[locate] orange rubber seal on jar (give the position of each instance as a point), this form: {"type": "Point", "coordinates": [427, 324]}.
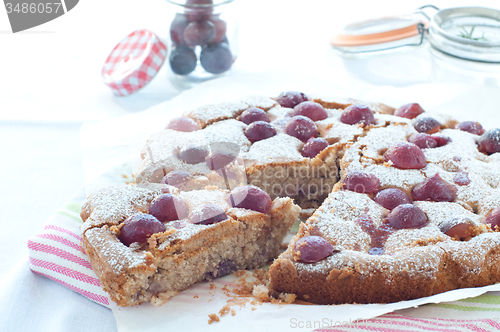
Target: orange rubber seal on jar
{"type": "Point", "coordinates": [377, 38]}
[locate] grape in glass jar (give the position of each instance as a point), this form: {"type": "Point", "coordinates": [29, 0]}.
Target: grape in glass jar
{"type": "Point", "coordinates": [216, 58]}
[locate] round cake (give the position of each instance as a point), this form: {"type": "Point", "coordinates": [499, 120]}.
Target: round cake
{"type": "Point", "coordinates": [400, 203]}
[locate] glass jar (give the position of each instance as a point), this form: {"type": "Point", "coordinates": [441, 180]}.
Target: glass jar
{"type": "Point", "coordinates": [203, 41]}
{"type": "Point", "coordinates": [463, 42]}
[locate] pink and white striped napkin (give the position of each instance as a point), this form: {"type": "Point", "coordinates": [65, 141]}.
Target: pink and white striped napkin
{"type": "Point", "coordinates": [57, 254]}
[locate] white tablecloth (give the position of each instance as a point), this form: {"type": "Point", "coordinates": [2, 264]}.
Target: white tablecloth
{"type": "Point", "coordinates": [50, 85]}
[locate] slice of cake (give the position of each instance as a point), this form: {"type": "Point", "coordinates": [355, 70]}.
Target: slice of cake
{"type": "Point", "coordinates": [148, 243]}
{"type": "Point", "coordinates": [416, 213]}
{"type": "Point", "coordinates": [353, 250]}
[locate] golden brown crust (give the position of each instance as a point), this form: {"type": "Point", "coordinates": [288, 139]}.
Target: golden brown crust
{"type": "Point", "coordinates": [429, 270]}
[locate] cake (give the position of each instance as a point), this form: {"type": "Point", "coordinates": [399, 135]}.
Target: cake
{"type": "Point", "coordinates": [404, 203]}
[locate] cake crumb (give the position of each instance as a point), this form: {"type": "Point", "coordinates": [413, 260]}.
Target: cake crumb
{"type": "Point", "coordinates": [212, 286]}
{"type": "Point", "coordinates": [213, 318]}
{"type": "Point", "coordinates": [225, 310]}
{"type": "Point", "coordinates": [195, 297]}
{"type": "Point", "coordinates": [261, 292]}
{"type": "Point", "coordinates": [287, 298]}
{"type": "Point", "coordinates": [115, 229]}
{"type": "Point", "coordinates": [253, 291]}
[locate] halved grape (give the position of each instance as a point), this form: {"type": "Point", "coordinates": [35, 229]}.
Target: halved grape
{"type": "Point", "coordinates": [407, 216]}
{"type": "Point", "coordinates": [441, 140]}
{"type": "Point", "coordinates": [199, 3]}
{"type": "Point", "coordinates": [176, 178]}
{"type": "Point", "coordinates": [423, 141]}
{"type": "Point", "coordinates": [489, 142]}
{"type": "Point", "coordinates": [198, 14]}
{"type": "Point", "coordinates": [462, 178]}
{"type": "Point", "coordinates": [409, 111]}
{"type": "Point", "coordinates": [168, 207]}
{"type": "Point", "coordinates": [139, 227]}
{"type": "Point", "coordinates": [314, 146]}
{"type": "Point", "coordinates": [220, 29]}
{"type": "Point", "coordinates": [179, 23]}
{"type": "Point", "coordinates": [392, 197]}
{"type": "Point", "coordinates": [427, 125]}
{"type": "Point", "coordinates": [301, 127]}
{"type": "Point", "coordinates": [250, 197]}
{"type": "Point", "coordinates": [312, 249]}
{"type": "Point", "coordinates": [493, 219]}
{"type": "Point", "coordinates": [459, 228]}
{"type": "Point", "coordinates": [434, 189]}
{"type": "Point", "coordinates": [357, 114]}
{"type": "Point", "coordinates": [361, 182]}
{"type": "Point", "coordinates": [311, 109]}
{"type": "Point", "coordinates": [216, 58]}
{"type": "Point", "coordinates": [207, 214]}
{"type": "Point", "coordinates": [199, 33]}
{"type": "Point", "coordinates": [218, 159]}
{"type": "Point", "coordinates": [182, 60]}
{"type": "Point", "coordinates": [198, 10]}
{"type": "Point", "coordinates": [406, 156]}
{"type": "Point", "coordinates": [183, 123]}
{"type": "Point", "coordinates": [192, 154]}
{"type": "Point", "coordinates": [253, 114]}
{"type": "Point", "coordinates": [259, 130]}
{"type": "Point", "coordinates": [290, 99]}
{"type": "Point", "coordinates": [471, 127]}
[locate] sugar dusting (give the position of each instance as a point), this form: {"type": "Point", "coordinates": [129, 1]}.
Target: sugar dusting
{"type": "Point", "coordinates": [335, 218]}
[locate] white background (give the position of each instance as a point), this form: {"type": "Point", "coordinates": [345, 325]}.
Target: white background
{"type": "Point", "coordinates": [50, 85]}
